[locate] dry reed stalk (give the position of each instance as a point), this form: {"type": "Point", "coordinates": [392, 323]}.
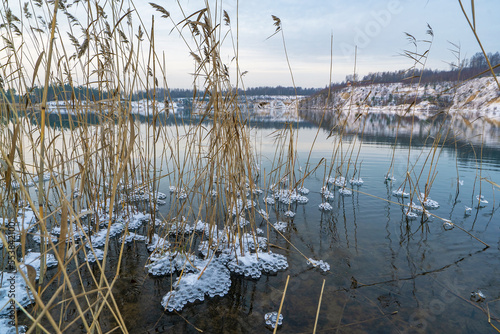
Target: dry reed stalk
{"type": "Point", "coordinates": [319, 306]}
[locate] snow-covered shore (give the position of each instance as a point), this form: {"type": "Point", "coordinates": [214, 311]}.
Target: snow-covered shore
{"type": "Point", "coordinates": [476, 98]}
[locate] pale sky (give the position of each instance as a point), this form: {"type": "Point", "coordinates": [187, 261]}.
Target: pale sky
{"type": "Point", "coordinates": [376, 27]}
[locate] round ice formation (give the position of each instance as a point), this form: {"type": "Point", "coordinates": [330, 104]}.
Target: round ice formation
{"type": "Point", "coordinates": [320, 264]}
{"type": "Point", "coordinates": [136, 220]}
{"type": "Point", "coordinates": [181, 195]}
{"type": "Point", "coordinates": [269, 200]}
{"type": "Point", "coordinates": [286, 196]}
{"type": "Point", "coordinates": [271, 318]}
{"type": "Point", "coordinates": [215, 281]}
{"type": "Point", "coordinates": [325, 207]}
{"type": "Point", "coordinates": [303, 190]}
{"type": "Point", "coordinates": [99, 239]}
{"type": "Point", "coordinates": [448, 225]}
{"type": "Point", "coordinates": [327, 194]}
{"type": "Point", "coordinates": [413, 206]}
{"type": "Point", "coordinates": [252, 265]}
{"type": "Point", "coordinates": [400, 193]}
{"type": "Point", "coordinates": [289, 214]}
{"type": "Point", "coordinates": [249, 242]}
{"type": "Point", "coordinates": [170, 262]}
{"type": "Point", "coordinates": [99, 255]}
{"type": "Point", "coordinates": [302, 199]}
{"type": "Point", "coordinates": [345, 192]}
{"type": "Point", "coordinates": [410, 214]}
{"type": "Point", "coordinates": [280, 226]}
{"type": "Point", "coordinates": [356, 182]}
{"type": "Point", "coordinates": [338, 181]}
{"type": "Point", "coordinates": [428, 203]}
{"type": "Point", "coordinates": [161, 195]}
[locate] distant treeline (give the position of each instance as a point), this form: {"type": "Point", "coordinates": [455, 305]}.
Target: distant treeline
{"type": "Point", "coordinates": [81, 93]}
{"type": "Point", "coordinates": [175, 93]}
{"type": "Point", "coordinates": [468, 68]}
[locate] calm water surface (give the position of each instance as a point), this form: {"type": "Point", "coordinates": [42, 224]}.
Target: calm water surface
{"type": "Point", "coordinates": [388, 274]}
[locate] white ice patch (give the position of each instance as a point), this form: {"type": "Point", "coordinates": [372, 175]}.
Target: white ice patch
{"type": "Point", "coordinates": [38, 239]}
{"type": "Point", "coordinates": [253, 265]}
{"type": "Point", "coordinates": [411, 215]}
{"type": "Point", "coordinates": [468, 211]}
{"type": "Point", "coordinates": [327, 194]}
{"type": "Point", "coordinates": [389, 178]}
{"type": "Point", "coordinates": [302, 199]}
{"type": "Point", "coordinates": [7, 328]}
{"type": "Point", "coordinates": [356, 182]}
{"type": "Point", "coordinates": [99, 239]}
{"type": "Point", "coordinates": [215, 281]}
{"type": "Point", "coordinates": [400, 193]}
{"type": "Point", "coordinates": [428, 203]}
{"type": "Point", "coordinates": [33, 259]}
{"type": "Point", "coordinates": [477, 296]}
{"type": "Point", "coordinates": [269, 200]}
{"type": "Point", "coordinates": [12, 283]}
{"type": "Point", "coordinates": [303, 191]}
{"type": "Point", "coordinates": [320, 264]}
{"type": "Point", "coordinates": [170, 262]}
{"type": "Point", "coordinates": [182, 195]}
{"type": "Point", "coordinates": [158, 244]}
{"type": "Point", "coordinates": [325, 206]}
{"type": "Point", "coordinates": [99, 255]}
{"type": "Point", "coordinates": [345, 192]}
{"type": "Point", "coordinates": [131, 237]}
{"type": "Point", "coordinates": [271, 319]}
{"type": "Point", "coordinates": [448, 225]}
{"type": "Point", "coordinates": [285, 196]}
{"type": "Point", "coordinates": [338, 181]}
{"type": "Point", "coordinates": [74, 234]}
{"type": "Point", "coordinates": [136, 219]}
{"type": "Point", "coordinates": [416, 207]}
{"type": "Point", "coordinates": [280, 226]}
{"type": "Point", "coordinates": [289, 214]}
{"type": "Point", "coordinates": [481, 202]}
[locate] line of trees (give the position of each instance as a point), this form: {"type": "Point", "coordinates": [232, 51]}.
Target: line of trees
{"type": "Point", "coordinates": [468, 68]}
{"type": "Point", "coordinates": [68, 93]}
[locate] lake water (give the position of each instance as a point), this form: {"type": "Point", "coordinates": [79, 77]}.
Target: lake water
{"type": "Point", "coordinates": [388, 274]}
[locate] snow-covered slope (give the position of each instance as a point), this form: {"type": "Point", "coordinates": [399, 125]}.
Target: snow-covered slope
{"type": "Point", "coordinates": [472, 99]}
